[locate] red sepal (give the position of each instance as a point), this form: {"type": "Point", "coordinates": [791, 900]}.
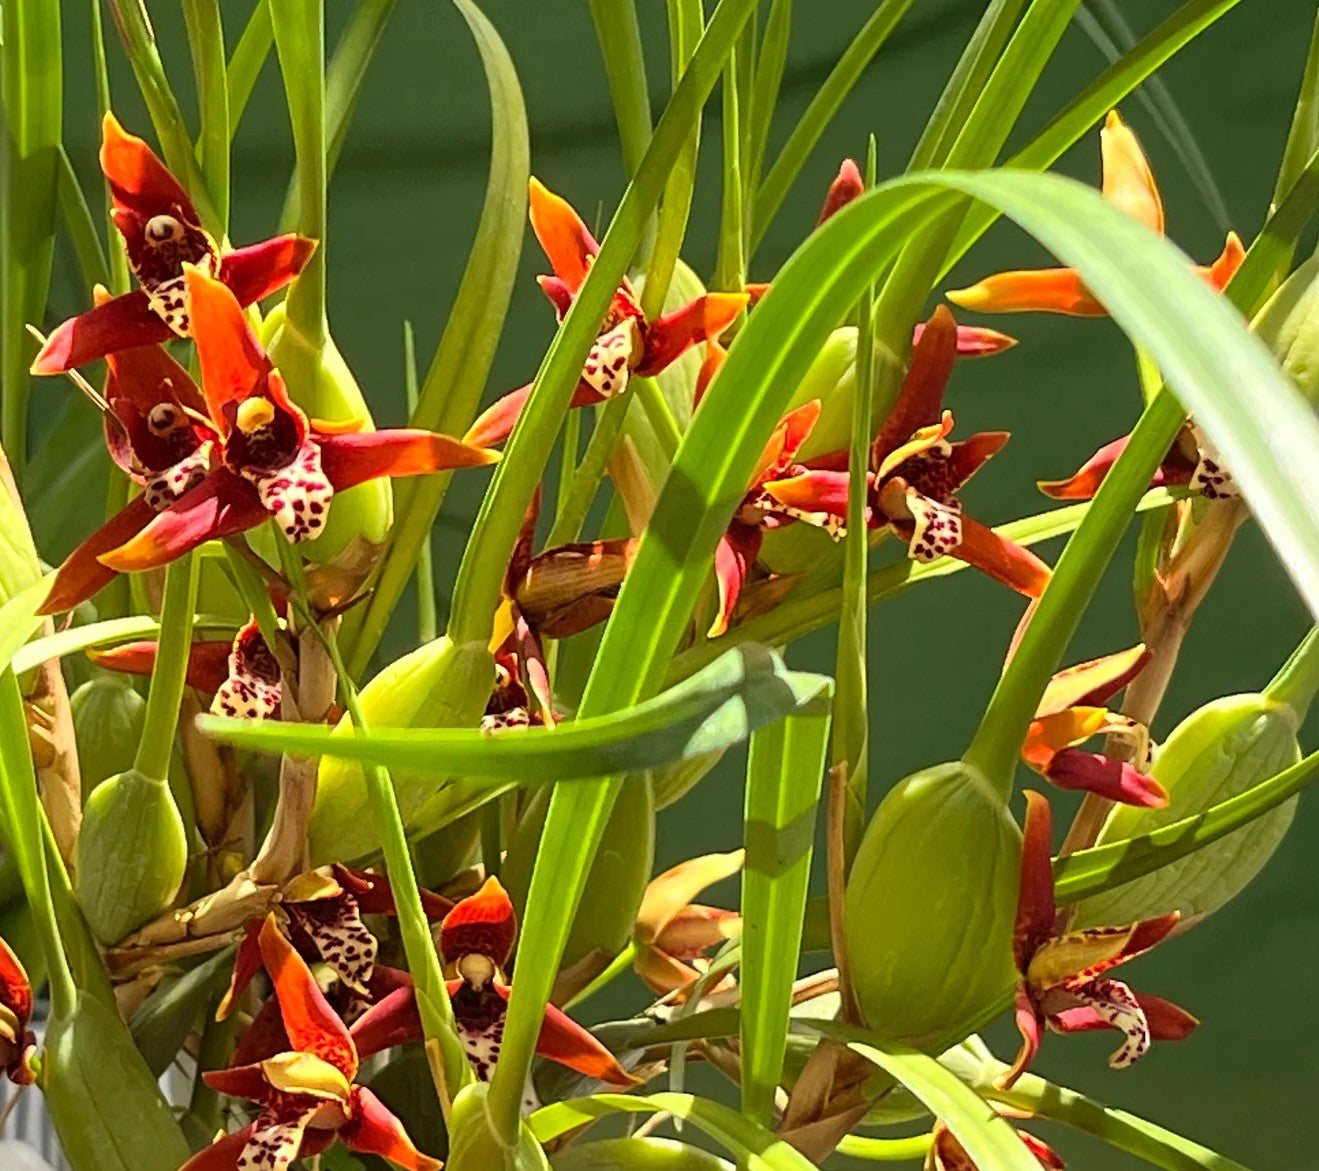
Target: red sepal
{"type": "Point", "coordinates": [481, 924]}
{"type": "Point", "coordinates": [121, 323]}
{"type": "Point", "coordinates": [354, 458]}
{"type": "Point", "coordinates": [374, 1130]}
{"type": "Point", "coordinates": [83, 573]}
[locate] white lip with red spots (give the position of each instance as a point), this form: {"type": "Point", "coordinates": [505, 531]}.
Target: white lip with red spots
{"type": "Point", "coordinates": [161, 491]}
{"type": "Point", "coordinates": [297, 495]}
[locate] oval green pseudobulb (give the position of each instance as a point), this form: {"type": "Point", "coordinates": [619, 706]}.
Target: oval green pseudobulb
{"type": "Point", "coordinates": [108, 717]}
{"type": "Point", "coordinates": [132, 854]}
{"type": "Point", "coordinates": [931, 902]}
{"type": "Point", "coordinates": [102, 1098]}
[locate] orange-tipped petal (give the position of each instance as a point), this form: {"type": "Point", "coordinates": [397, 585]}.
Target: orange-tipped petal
{"type": "Point", "coordinates": [138, 180]}
{"type": "Point", "coordinates": [818, 496]}
{"type": "Point", "coordinates": [1128, 181]}
{"type": "Point", "coordinates": [374, 1130]}
{"type": "Point", "coordinates": [83, 573]}
{"type": "Point", "coordinates": [1002, 559]}
{"type": "Point", "coordinates": [392, 1020]}
{"type": "Point", "coordinates": [1094, 682]}
{"type": "Point", "coordinates": [257, 270]}
{"type": "Point", "coordinates": [233, 363]}
{"type": "Point", "coordinates": [921, 398]}
{"type": "Point", "coordinates": [482, 924]}
{"type": "Point", "coordinates": [1225, 267]}
{"type": "Point", "coordinates": [120, 323]}
{"type": "Point", "coordinates": [715, 357]}
{"type": "Point", "coordinates": [733, 558]}
{"type": "Point", "coordinates": [847, 186]}
{"type": "Point", "coordinates": [247, 963]}
{"type": "Point", "coordinates": [221, 505]}
{"type": "Point", "coordinates": [1037, 909]}
{"type": "Point", "coordinates": [673, 890]}
{"type": "Point", "coordinates": [495, 423]}
{"type": "Point", "coordinates": [1039, 290]}
{"type": "Point", "coordinates": [1049, 734]}
{"type": "Point", "coordinates": [208, 661]}
{"type": "Point", "coordinates": [563, 1040]}
{"type": "Point", "coordinates": [567, 241]}
{"type": "Point", "coordinates": [15, 989]}
{"type": "Point", "coordinates": [669, 337]}
{"type": "Point", "coordinates": [312, 1025]}
{"type": "Point", "coordinates": [1047, 1156]}
{"type": "Point", "coordinates": [973, 341]}
{"type": "Point", "coordinates": [354, 458]}
{"type": "Point", "coordinates": [1176, 469]}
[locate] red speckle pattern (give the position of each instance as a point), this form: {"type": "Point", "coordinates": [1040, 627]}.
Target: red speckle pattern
{"type": "Point", "coordinates": [335, 927]}
{"type": "Point", "coordinates": [274, 1147]}
{"type": "Point", "coordinates": [297, 495]}
{"type": "Point", "coordinates": [161, 491]}
{"type": "Point", "coordinates": [938, 526]}
{"type": "Point", "coordinates": [608, 364]}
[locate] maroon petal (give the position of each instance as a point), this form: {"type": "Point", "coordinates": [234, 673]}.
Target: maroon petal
{"type": "Point", "coordinates": [355, 457]}
{"type": "Point", "coordinates": [258, 270]}
{"type": "Point", "coordinates": [918, 405]}
{"type": "Point", "coordinates": [83, 573]}
{"type": "Point", "coordinates": [389, 1022]}
{"type": "Point", "coordinates": [1117, 780]}
{"type": "Point", "coordinates": [374, 1130]}
{"type": "Point", "coordinates": [733, 558]}
{"type": "Point", "coordinates": [121, 323]}
{"type": "Point", "coordinates": [847, 186]}
{"type": "Point", "coordinates": [671, 336]}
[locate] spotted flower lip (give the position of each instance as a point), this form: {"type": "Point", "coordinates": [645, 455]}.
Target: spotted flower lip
{"type": "Point", "coordinates": [272, 461]}
{"type": "Point", "coordinates": [1063, 983]}
{"type": "Point", "coordinates": [628, 343]}
{"type": "Point", "coordinates": [308, 1094]}
{"type": "Point", "coordinates": [1072, 711]}
{"type": "Point", "coordinates": [915, 473]}
{"type": "Point", "coordinates": [18, 1043]}
{"type": "Point", "coordinates": [162, 231]}
{"type": "Point", "coordinates": [1128, 184]}
{"type": "Point", "coordinates": [1192, 462]}
{"type": "Point", "coordinates": [157, 431]}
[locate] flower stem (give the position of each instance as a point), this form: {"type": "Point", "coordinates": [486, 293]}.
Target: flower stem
{"type": "Point", "coordinates": [999, 737]}
{"type": "Point", "coordinates": [1297, 679]}
{"type": "Point", "coordinates": [162, 714]}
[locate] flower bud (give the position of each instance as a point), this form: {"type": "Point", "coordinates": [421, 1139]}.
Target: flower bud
{"type": "Point", "coordinates": [1289, 325]}
{"type": "Point", "coordinates": [672, 782]}
{"type": "Point", "coordinates": [439, 685]}
{"type": "Point", "coordinates": [102, 1098]}
{"type": "Point", "coordinates": [108, 717]}
{"type": "Point", "coordinates": [1222, 749]}
{"type": "Point", "coordinates": [132, 854]}
{"type": "Point", "coordinates": [931, 902]}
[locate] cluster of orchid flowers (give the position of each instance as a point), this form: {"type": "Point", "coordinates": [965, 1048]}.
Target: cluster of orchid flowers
{"type": "Point", "coordinates": [218, 459]}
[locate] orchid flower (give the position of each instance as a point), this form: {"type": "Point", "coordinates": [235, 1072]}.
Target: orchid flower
{"type": "Point", "coordinates": [947, 1154]}
{"type": "Point", "coordinates": [476, 941]}
{"type": "Point", "coordinates": [915, 475]}
{"type": "Point", "coordinates": [308, 1094]}
{"type": "Point", "coordinates": [156, 430]}
{"type": "Point", "coordinates": [1071, 711]}
{"type": "Point", "coordinates": [1063, 984]}
{"type": "Point", "coordinates": [673, 933]}
{"type": "Point", "coordinates": [18, 1043]}
{"type": "Point", "coordinates": [321, 914]}
{"type": "Point", "coordinates": [273, 462]}
{"type": "Point", "coordinates": [1128, 184]}
{"type": "Point", "coordinates": [1192, 461]}
{"type": "Point", "coordinates": [627, 344]}
{"type": "Point", "coordinates": [554, 594]}
{"type": "Point", "coordinates": [242, 674]}
{"type": "Point", "coordinates": [162, 233]}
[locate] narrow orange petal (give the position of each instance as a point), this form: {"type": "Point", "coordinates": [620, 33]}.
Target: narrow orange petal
{"type": "Point", "coordinates": [1039, 290]}
{"type": "Point", "coordinates": [1036, 907]}
{"type": "Point", "coordinates": [1128, 181]}
{"type": "Point", "coordinates": [1093, 682]}
{"type": "Point", "coordinates": [1224, 268]}
{"type": "Point", "coordinates": [233, 363]}
{"type": "Point", "coordinates": [567, 241]}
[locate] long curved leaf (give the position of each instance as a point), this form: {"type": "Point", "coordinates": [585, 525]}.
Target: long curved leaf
{"type": "Point", "coordinates": [747, 689]}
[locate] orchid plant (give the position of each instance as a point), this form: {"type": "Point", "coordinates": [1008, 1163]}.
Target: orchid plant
{"type": "Point", "coordinates": [368, 905]}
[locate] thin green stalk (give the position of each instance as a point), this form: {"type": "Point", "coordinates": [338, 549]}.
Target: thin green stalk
{"type": "Point", "coordinates": [619, 35]}
{"type": "Point", "coordinates": [171, 669]}
{"type": "Point", "coordinates": [492, 836]}
{"type": "Point", "coordinates": [998, 739]}
{"type": "Point", "coordinates": [31, 86]}
{"type": "Point", "coordinates": [418, 942]}
{"type": "Point", "coordinates": [213, 1052]}
{"type": "Point", "coordinates": [851, 728]}
{"type": "Point", "coordinates": [481, 572]}
{"type": "Point", "coordinates": [571, 439]}
{"type": "Point", "coordinates": [427, 622]}
{"type": "Point", "coordinates": [300, 44]}
{"type": "Point", "coordinates": [249, 56]}
{"type": "Point", "coordinates": [1303, 137]}
{"type": "Point", "coordinates": [665, 427]}
{"type": "Point", "coordinates": [686, 23]}
{"type": "Point", "coordinates": [731, 267]}
{"type": "Point", "coordinates": [119, 281]}
{"type": "Point", "coordinates": [206, 43]}
{"type": "Point", "coordinates": [770, 60]}
{"type": "Point", "coordinates": [1297, 679]}
{"type": "Point", "coordinates": [77, 216]}
{"type": "Point", "coordinates": [886, 1150]}
{"type": "Point", "coordinates": [826, 103]}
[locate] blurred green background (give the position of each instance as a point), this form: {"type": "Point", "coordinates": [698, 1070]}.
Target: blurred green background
{"type": "Point", "coordinates": [403, 205]}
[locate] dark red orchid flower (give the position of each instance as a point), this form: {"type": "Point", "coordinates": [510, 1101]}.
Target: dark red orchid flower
{"type": "Point", "coordinates": [1128, 184]}
{"type": "Point", "coordinates": [18, 1044]}
{"type": "Point", "coordinates": [272, 462]}
{"type": "Point", "coordinates": [476, 941]}
{"type": "Point", "coordinates": [915, 475]}
{"type": "Point", "coordinates": [242, 674]}
{"type": "Point", "coordinates": [1063, 985]}
{"type": "Point", "coordinates": [627, 343]}
{"type": "Point", "coordinates": [947, 1154]}
{"type": "Point", "coordinates": [1192, 461]}
{"type": "Point", "coordinates": [553, 594]}
{"type": "Point", "coordinates": [162, 231]}
{"type": "Point", "coordinates": [321, 913]}
{"type": "Point", "coordinates": [1072, 711]}
{"type": "Point", "coordinates": [157, 432]}
{"type": "Point", "coordinates": [308, 1094]}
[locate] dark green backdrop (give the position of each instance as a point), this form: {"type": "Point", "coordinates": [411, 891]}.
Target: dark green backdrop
{"type": "Point", "coordinates": [403, 206]}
